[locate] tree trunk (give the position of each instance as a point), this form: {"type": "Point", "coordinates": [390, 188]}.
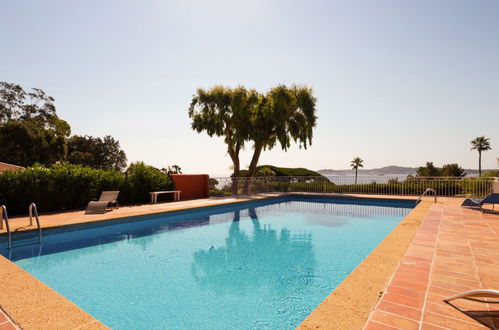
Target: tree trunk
{"type": "Point", "coordinates": [356, 176]}
{"type": "Point", "coordinates": [252, 168]}
{"type": "Point", "coordinates": [479, 163]}
{"type": "Point", "coordinates": [254, 218]}
{"type": "Point", "coordinates": [235, 175]}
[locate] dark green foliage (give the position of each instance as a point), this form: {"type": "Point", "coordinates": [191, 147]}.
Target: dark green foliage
{"type": "Point", "coordinates": [448, 170]}
{"type": "Point", "coordinates": [174, 169]}
{"type": "Point", "coordinates": [142, 179]}
{"type": "Point", "coordinates": [491, 174]}
{"type": "Point", "coordinates": [428, 170]}
{"type": "Point", "coordinates": [30, 130]}
{"type": "Point", "coordinates": [355, 164]}
{"type": "Point", "coordinates": [66, 186]}
{"type": "Point", "coordinates": [393, 180]}
{"type": "Point", "coordinates": [480, 144]}
{"type": "Point", "coordinates": [226, 112]}
{"type": "Point", "coordinates": [219, 192]}
{"type": "Point", "coordinates": [453, 170]}
{"type": "Point", "coordinates": [283, 114]}
{"type": "Point", "coordinates": [267, 170]}
{"type": "Point", "coordinates": [96, 152]}
{"type": "Point", "coordinates": [34, 107]}
{"type": "Point", "coordinates": [22, 144]}
{"type": "Point", "coordinates": [212, 182]}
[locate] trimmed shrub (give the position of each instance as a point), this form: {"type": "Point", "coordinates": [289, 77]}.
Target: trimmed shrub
{"type": "Point", "coordinates": [66, 187]}
{"type": "Point", "coordinates": [142, 179]}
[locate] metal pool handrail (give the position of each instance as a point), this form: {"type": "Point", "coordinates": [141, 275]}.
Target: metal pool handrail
{"type": "Point", "coordinates": [33, 209]}
{"type": "Point", "coordinates": [427, 191]}
{"type": "Point", "coordinates": [6, 218]}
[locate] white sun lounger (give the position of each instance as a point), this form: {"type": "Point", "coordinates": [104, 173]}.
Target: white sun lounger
{"type": "Point", "coordinates": [489, 199]}
{"type": "Point", "coordinates": [477, 295]}
{"type": "Point", "coordinates": [106, 198]}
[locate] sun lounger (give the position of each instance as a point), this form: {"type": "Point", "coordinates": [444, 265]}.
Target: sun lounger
{"type": "Point", "coordinates": [106, 199]}
{"type": "Point", "coordinates": [477, 295]}
{"type": "Point", "coordinates": [489, 199]}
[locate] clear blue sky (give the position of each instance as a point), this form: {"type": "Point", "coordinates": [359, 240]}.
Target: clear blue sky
{"type": "Point", "coordinates": [398, 82]}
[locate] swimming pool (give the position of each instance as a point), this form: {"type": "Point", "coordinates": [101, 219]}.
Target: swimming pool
{"type": "Point", "coordinates": [255, 265]}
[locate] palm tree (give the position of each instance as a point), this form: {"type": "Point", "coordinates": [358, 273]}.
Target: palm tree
{"type": "Point", "coordinates": [480, 144]}
{"type": "Point", "coordinates": [356, 163]}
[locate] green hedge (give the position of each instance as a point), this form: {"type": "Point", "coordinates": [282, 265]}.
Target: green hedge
{"type": "Point", "coordinates": [67, 187]}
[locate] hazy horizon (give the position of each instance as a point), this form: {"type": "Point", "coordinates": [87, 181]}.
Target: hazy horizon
{"type": "Point", "coordinates": [398, 83]}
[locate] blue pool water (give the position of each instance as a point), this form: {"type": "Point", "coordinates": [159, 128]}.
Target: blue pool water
{"type": "Point", "coordinates": [260, 265]}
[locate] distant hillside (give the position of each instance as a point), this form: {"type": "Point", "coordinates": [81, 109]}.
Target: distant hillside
{"type": "Point", "coordinates": [263, 170]}
{"type": "Point", "coordinates": [375, 171]}
{"type": "Point", "coordinates": [386, 170]}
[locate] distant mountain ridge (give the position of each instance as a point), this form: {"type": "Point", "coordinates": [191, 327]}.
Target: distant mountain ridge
{"type": "Point", "coordinates": [392, 169]}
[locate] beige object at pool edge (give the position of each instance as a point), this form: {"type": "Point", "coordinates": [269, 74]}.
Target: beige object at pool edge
{"type": "Point", "coordinates": [100, 206]}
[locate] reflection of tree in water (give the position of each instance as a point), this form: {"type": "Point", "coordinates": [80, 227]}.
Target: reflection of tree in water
{"type": "Point", "coordinates": [264, 259]}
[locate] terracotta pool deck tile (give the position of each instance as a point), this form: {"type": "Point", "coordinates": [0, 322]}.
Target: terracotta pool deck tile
{"type": "Point", "coordinates": [446, 292]}
{"type": "Point", "coordinates": [442, 309]}
{"type": "Point", "coordinates": [422, 262]}
{"type": "Point", "coordinates": [457, 269]}
{"type": "Point", "coordinates": [6, 323]}
{"type": "Point", "coordinates": [405, 292]}
{"type": "Point", "coordinates": [472, 275]}
{"type": "Point", "coordinates": [453, 267]}
{"type": "Point", "coordinates": [409, 285]}
{"type": "Point", "coordinates": [8, 326]}
{"type": "Point", "coordinates": [427, 326]}
{"type": "Point", "coordinates": [371, 325]}
{"type": "Point", "coordinates": [424, 243]}
{"type": "Point", "coordinates": [416, 276]}
{"type": "Point", "coordinates": [486, 257]}
{"type": "Point", "coordinates": [461, 304]}
{"type": "Point", "coordinates": [455, 279]}
{"type": "Point", "coordinates": [487, 268]}
{"type": "Point", "coordinates": [488, 277]}
{"type": "Point", "coordinates": [420, 252]}
{"type": "Point", "coordinates": [452, 286]}
{"type": "Point", "coordinates": [394, 320]}
{"type": "Point", "coordinates": [490, 284]}
{"type": "Point", "coordinates": [402, 310]}
{"type": "Point", "coordinates": [412, 267]}
{"type": "Point", "coordinates": [449, 322]}
{"type": "Point", "coordinates": [459, 249]}
{"type": "Point", "coordinates": [414, 302]}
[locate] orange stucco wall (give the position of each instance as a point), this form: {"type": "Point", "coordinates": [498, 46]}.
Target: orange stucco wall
{"type": "Point", "coordinates": [191, 185]}
{"type": "Point", "coordinates": [9, 167]}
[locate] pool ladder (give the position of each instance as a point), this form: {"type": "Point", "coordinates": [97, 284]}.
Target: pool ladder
{"type": "Point", "coordinates": [32, 211]}
{"type": "Point", "coordinates": [428, 190]}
